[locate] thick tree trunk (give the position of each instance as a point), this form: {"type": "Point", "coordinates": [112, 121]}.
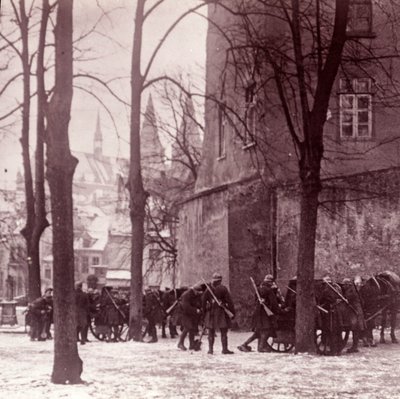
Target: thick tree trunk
{"type": "Point", "coordinates": [305, 299]}
{"type": "Point", "coordinates": [138, 196]}
{"type": "Point", "coordinates": [32, 258]}
{"type": "Point", "coordinates": [36, 221]}
{"type": "Point", "coordinates": [61, 165]}
{"type": "Point", "coordinates": [40, 220]}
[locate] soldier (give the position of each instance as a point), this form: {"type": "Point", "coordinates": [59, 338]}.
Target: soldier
{"type": "Point", "coordinates": [41, 311]}
{"type": "Point", "coordinates": [215, 313]}
{"type": "Point", "coordinates": [82, 313]}
{"type": "Point", "coordinates": [153, 312]}
{"type": "Point", "coordinates": [333, 322]}
{"type": "Point", "coordinates": [264, 325]}
{"type": "Point", "coordinates": [191, 313]}
{"type": "Point", "coordinates": [353, 313]}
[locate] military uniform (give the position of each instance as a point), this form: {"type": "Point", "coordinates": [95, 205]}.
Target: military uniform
{"type": "Point", "coordinates": [264, 325]}
{"type": "Point", "coordinates": [153, 312]}
{"type": "Point", "coordinates": [40, 314]}
{"type": "Point", "coordinates": [82, 312]}
{"type": "Point", "coordinates": [332, 323]}
{"type": "Point", "coordinates": [353, 312]}
{"type": "Point", "coordinates": [191, 313]}
{"type": "Point", "coordinates": [215, 316]}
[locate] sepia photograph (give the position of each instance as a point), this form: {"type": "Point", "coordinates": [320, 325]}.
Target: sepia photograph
{"type": "Point", "coordinates": [199, 199]}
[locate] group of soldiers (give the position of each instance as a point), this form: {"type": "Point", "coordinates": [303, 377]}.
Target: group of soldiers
{"type": "Point", "coordinates": [217, 310]}
{"type": "Point", "coordinates": [102, 307]}
{"type": "Point", "coordinates": [207, 307]}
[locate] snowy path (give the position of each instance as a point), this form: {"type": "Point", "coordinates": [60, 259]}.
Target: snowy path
{"type": "Point", "coordinates": [138, 370]}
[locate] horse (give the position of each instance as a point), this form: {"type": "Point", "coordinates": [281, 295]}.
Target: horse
{"type": "Point", "coordinates": [380, 296]}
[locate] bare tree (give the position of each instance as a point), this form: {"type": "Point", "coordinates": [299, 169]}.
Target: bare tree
{"type": "Point", "coordinates": [303, 89]}
{"type": "Point", "coordinates": [290, 54]}
{"type": "Point", "coordinates": [138, 195]}
{"type": "Point", "coordinates": [60, 170]}
{"type": "Point", "coordinates": [36, 221]}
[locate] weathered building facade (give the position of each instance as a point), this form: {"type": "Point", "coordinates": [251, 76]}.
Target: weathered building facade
{"type": "Point", "coordinates": [243, 219]}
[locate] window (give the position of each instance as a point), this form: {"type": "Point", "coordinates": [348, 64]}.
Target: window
{"type": "Point", "coordinates": [359, 23]}
{"type": "Point", "coordinates": [221, 131]}
{"type": "Point", "coordinates": [85, 264]}
{"type": "Point", "coordinates": [250, 117]}
{"type": "Point", "coordinates": [355, 108]}
{"type": "Point", "coordinates": [100, 272]}
{"type": "Point", "coordinates": [95, 260]}
{"type": "Point", "coordinates": [47, 273]}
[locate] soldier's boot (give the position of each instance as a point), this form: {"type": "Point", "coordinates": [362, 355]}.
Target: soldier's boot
{"type": "Point", "coordinates": [394, 339]}
{"type": "Point", "coordinates": [262, 343]}
{"type": "Point", "coordinates": [365, 341]}
{"type": "Point", "coordinates": [191, 340]}
{"type": "Point", "coordinates": [181, 341]}
{"type": "Point", "coordinates": [172, 330]}
{"type": "Point", "coordinates": [163, 332]}
{"type": "Point", "coordinates": [354, 346]}
{"type": "Point", "coordinates": [224, 342]}
{"type": "Point", "coordinates": [211, 339]}
{"type": "Point", "coordinates": [244, 348]}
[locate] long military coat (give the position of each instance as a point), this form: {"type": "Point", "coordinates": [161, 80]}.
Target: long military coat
{"type": "Point", "coordinates": [82, 308]}
{"type": "Point", "coordinates": [261, 321]}
{"type": "Point", "coordinates": [353, 314]}
{"type": "Point", "coordinates": [190, 305]}
{"type": "Point", "coordinates": [215, 316]}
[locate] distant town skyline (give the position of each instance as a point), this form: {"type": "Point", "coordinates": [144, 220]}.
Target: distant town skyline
{"type": "Point", "coordinates": [109, 49]}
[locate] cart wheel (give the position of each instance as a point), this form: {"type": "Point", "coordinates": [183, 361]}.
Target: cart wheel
{"type": "Point", "coordinates": [323, 342]}
{"type": "Point", "coordinates": [279, 346]}
{"type": "Point", "coordinates": [99, 336]}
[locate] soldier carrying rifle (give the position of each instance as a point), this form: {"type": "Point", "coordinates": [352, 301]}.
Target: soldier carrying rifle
{"type": "Point", "coordinates": [218, 309]}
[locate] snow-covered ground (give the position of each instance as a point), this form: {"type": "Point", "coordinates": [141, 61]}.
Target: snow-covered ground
{"type": "Point", "coordinates": [139, 370]}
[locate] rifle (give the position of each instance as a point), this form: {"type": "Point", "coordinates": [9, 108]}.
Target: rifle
{"type": "Point", "coordinates": [376, 313]}
{"type": "Point", "coordinates": [172, 307]}
{"type": "Point", "coordinates": [268, 311]}
{"type": "Point", "coordinates": [159, 303]}
{"type": "Point", "coordinates": [341, 297]}
{"type": "Point", "coordinates": [218, 302]}
{"type": "Point", "coordinates": [116, 306]}
{"type": "Point", "coordinates": [318, 307]}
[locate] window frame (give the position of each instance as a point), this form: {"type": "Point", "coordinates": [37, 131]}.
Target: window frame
{"type": "Point", "coordinates": [84, 264]}
{"type": "Point", "coordinates": [250, 125]}
{"type": "Point", "coordinates": [357, 30]}
{"type": "Point", "coordinates": [354, 89]}
{"type": "Point", "coordinates": [222, 124]}
{"type": "Point", "coordinates": [97, 260]}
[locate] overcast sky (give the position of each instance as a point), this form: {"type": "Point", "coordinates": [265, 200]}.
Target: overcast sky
{"type": "Point", "coordinates": [107, 53]}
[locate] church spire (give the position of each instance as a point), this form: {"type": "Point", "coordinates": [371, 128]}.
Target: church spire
{"type": "Point", "coordinates": [187, 143]}
{"type": "Point", "coordinates": [98, 139]}
{"type": "Point", "coordinates": [153, 153]}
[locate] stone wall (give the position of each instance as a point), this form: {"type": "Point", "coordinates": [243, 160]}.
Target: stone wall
{"type": "Point", "coordinates": [250, 227]}
{"type": "Point", "coordinates": [227, 231]}
{"type": "Point", "coordinates": [203, 238]}
{"type": "Point", "coordinates": [358, 226]}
